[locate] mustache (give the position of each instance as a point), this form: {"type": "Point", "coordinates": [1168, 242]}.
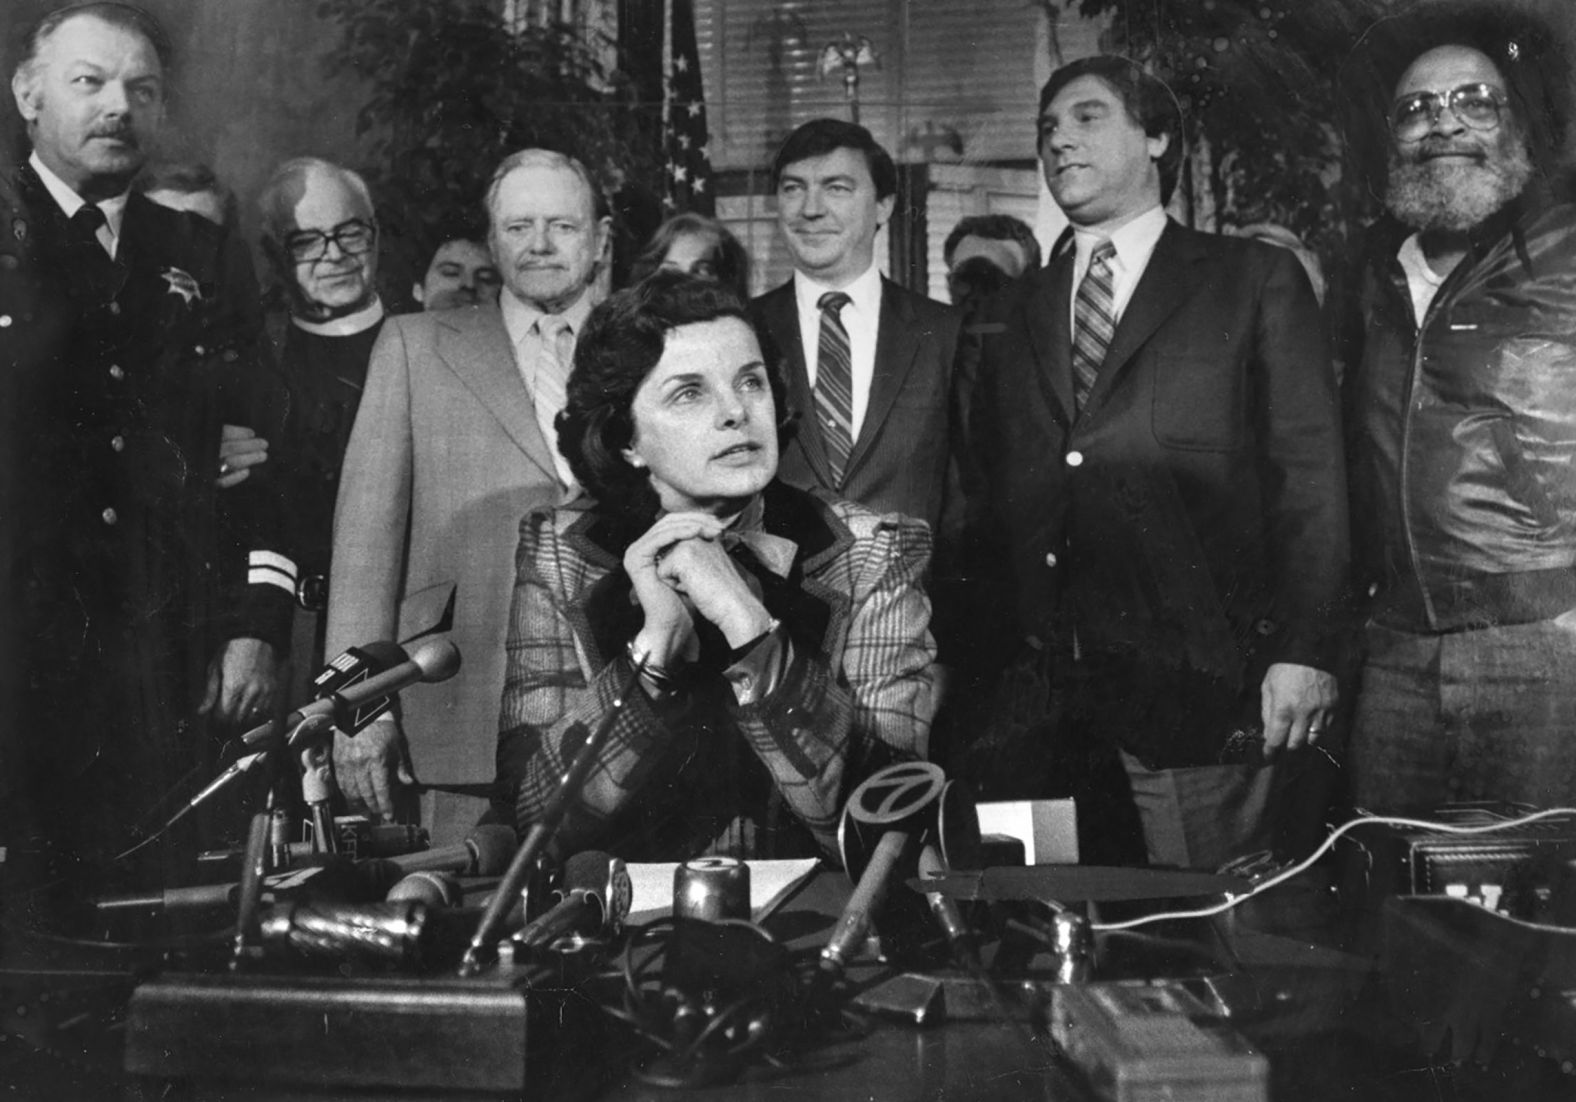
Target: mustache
{"type": "Point", "coordinates": [121, 132]}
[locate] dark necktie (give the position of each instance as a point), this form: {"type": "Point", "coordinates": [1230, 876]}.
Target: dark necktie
{"type": "Point", "coordinates": [87, 221]}
{"type": "Point", "coordinates": [834, 388]}
{"type": "Point", "coordinates": [1094, 321]}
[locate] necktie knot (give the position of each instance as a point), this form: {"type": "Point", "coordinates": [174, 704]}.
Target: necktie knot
{"type": "Point", "coordinates": [89, 217]}
{"type": "Point", "coordinates": [833, 302]}
{"type": "Point", "coordinates": [1103, 254]}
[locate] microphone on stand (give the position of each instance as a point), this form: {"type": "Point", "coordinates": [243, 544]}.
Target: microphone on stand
{"type": "Point", "coordinates": [435, 660]}
{"type": "Point", "coordinates": [593, 902]}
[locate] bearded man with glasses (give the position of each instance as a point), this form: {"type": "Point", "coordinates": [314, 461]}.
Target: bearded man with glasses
{"type": "Point", "coordinates": [1462, 420]}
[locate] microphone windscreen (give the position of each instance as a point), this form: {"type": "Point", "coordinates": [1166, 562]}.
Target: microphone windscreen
{"type": "Point", "coordinates": [587, 871]}
{"type": "Point", "coordinates": [435, 889]}
{"type": "Point", "coordinates": [495, 845]}
{"type": "Point", "coordinates": [439, 659]}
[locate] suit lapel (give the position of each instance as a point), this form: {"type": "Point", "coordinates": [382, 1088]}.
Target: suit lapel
{"type": "Point", "coordinates": [1167, 282]}
{"type": "Point", "coordinates": [1047, 307]}
{"type": "Point", "coordinates": [474, 344]}
{"type": "Point", "coordinates": [780, 310]}
{"type": "Point", "coordinates": [897, 345]}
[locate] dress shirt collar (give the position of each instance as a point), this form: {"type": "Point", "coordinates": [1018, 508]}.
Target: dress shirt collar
{"type": "Point", "coordinates": [1134, 241]}
{"type": "Point", "coordinates": [519, 318]}
{"type": "Point", "coordinates": [864, 293]}
{"type": "Point", "coordinates": [70, 202]}
{"type": "Point", "coordinates": [347, 326]}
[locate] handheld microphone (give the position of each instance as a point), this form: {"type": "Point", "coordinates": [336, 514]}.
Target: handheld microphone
{"type": "Point", "coordinates": [435, 660]}
{"type": "Point", "coordinates": [594, 901]}
{"type": "Point", "coordinates": [358, 664]}
{"type": "Point", "coordinates": [335, 881]}
{"type": "Point", "coordinates": [486, 851]}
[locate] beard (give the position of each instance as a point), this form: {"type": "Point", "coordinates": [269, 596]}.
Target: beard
{"type": "Point", "coordinates": [1430, 194]}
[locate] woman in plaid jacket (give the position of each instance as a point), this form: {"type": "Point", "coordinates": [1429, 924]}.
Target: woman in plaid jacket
{"type": "Point", "coordinates": [785, 635]}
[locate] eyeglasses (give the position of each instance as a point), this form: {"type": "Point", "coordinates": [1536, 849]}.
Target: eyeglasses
{"type": "Point", "coordinates": [1477, 106]}
{"type": "Point", "coordinates": [353, 238]}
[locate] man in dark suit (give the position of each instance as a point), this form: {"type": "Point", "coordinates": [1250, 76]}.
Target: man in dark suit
{"type": "Point", "coordinates": [128, 585]}
{"type": "Point", "coordinates": [869, 365]}
{"type": "Point", "coordinates": [1157, 422]}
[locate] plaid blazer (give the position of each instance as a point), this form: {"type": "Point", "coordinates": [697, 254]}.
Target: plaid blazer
{"type": "Point", "coordinates": [859, 692]}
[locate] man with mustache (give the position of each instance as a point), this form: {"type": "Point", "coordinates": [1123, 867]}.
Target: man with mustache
{"type": "Point", "coordinates": [127, 570]}
{"type": "Point", "coordinates": [454, 442]}
{"type": "Point", "coordinates": [1462, 414]}
{"type": "Point", "coordinates": [1157, 421]}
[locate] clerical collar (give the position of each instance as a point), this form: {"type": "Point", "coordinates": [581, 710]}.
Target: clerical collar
{"type": "Point", "coordinates": [347, 326]}
{"type": "Point", "coordinates": [70, 202]}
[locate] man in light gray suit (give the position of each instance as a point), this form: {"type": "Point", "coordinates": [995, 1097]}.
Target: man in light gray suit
{"type": "Point", "coordinates": [453, 443]}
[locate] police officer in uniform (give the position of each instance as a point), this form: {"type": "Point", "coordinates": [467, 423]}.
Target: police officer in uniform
{"type": "Point", "coordinates": [143, 601]}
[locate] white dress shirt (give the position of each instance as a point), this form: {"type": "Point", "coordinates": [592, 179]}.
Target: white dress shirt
{"type": "Point", "coordinates": [520, 321]}
{"type": "Point", "coordinates": [114, 208]}
{"type": "Point", "coordinates": [861, 317]}
{"type": "Point", "coordinates": [1134, 242]}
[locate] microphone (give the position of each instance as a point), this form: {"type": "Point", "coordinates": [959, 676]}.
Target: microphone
{"type": "Point", "coordinates": [594, 901]}
{"type": "Point", "coordinates": [435, 889]}
{"type": "Point", "coordinates": [435, 660]}
{"type": "Point", "coordinates": [485, 852]}
{"type": "Point", "coordinates": [335, 881]}
{"type": "Point", "coordinates": [354, 666]}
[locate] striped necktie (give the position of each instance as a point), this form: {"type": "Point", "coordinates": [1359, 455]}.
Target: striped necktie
{"type": "Point", "coordinates": [1094, 321]}
{"type": "Point", "coordinates": [550, 391]}
{"type": "Point", "coordinates": [834, 388]}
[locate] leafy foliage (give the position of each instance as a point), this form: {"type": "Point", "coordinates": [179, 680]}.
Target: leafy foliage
{"type": "Point", "coordinates": [452, 91]}
{"type": "Point", "coordinates": [1258, 81]}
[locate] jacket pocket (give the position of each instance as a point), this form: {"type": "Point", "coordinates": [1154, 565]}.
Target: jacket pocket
{"type": "Point", "coordinates": [1198, 403]}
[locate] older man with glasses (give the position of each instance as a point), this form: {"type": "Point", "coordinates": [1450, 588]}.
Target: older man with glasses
{"type": "Point", "coordinates": [320, 236]}
{"type": "Point", "coordinates": [1462, 416]}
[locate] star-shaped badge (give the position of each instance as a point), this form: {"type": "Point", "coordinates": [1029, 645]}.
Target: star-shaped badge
{"type": "Point", "coordinates": [181, 283]}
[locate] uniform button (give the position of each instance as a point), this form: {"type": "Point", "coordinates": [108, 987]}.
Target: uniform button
{"type": "Point", "coordinates": [114, 308]}
{"type": "Point", "coordinates": [117, 372]}
{"type": "Point", "coordinates": [1075, 459]}
{"type": "Point", "coordinates": [1373, 589]}
{"type": "Point", "coordinates": [1050, 558]}
{"type": "Point", "coordinates": [117, 443]}
{"type": "Point", "coordinates": [110, 516]}
{"type": "Point", "coordinates": [198, 349]}
{"type": "Point", "coordinates": [5, 321]}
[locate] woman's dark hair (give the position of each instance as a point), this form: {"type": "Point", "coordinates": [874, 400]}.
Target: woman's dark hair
{"type": "Point", "coordinates": [622, 341]}
{"type": "Point", "coordinates": [728, 256]}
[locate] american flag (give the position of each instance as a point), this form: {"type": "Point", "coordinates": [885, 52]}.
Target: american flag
{"type": "Point", "coordinates": [687, 162]}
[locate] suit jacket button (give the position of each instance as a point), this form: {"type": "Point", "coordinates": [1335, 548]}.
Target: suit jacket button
{"type": "Point", "coordinates": [5, 321]}
{"type": "Point", "coordinates": [117, 372]}
{"type": "Point", "coordinates": [1075, 459]}
{"type": "Point", "coordinates": [117, 443]}
{"type": "Point", "coordinates": [1050, 558]}
{"type": "Point", "coordinates": [109, 516]}
{"type": "Point", "coordinates": [114, 309]}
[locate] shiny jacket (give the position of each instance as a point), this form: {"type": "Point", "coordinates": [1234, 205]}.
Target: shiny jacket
{"type": "Point", "coordinates": [1462, 431]}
